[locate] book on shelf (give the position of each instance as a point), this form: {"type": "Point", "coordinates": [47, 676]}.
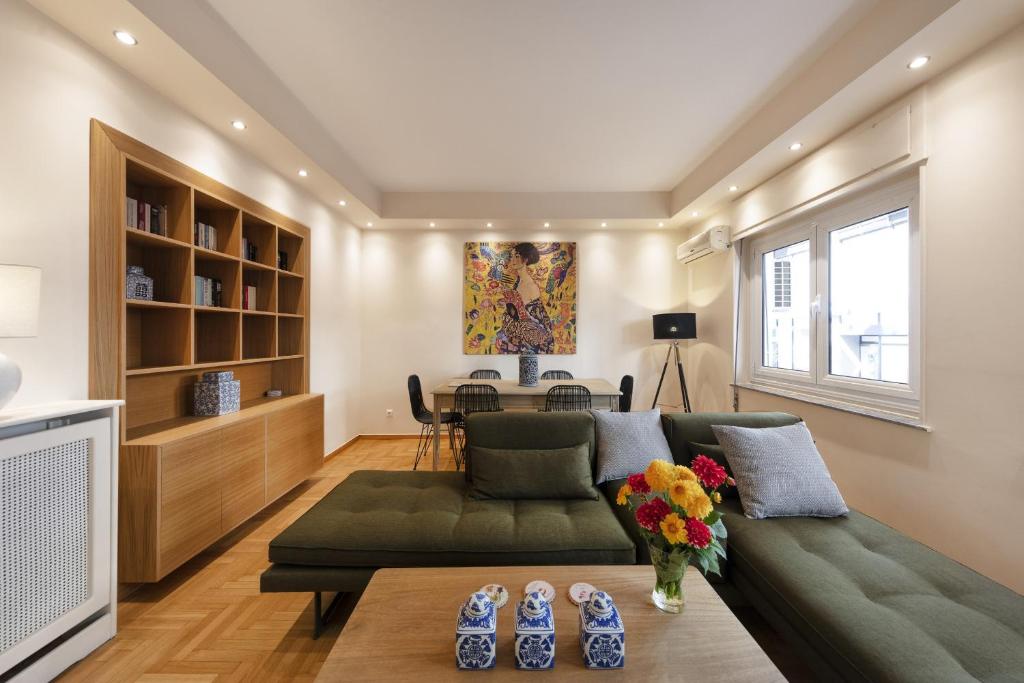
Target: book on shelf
{"type": "Point", "coordinates": [132, 212]}
{"type": "Point", "coordinates": [208, 291]}
{"type": "Point", "coordinates": [249, 298]}
{"type": "Point", "coordinates": [205, 236]}
{"type": "Point", "coordinates": [282, 260]}
{"type": "Point", "coordinates": [249, 251]}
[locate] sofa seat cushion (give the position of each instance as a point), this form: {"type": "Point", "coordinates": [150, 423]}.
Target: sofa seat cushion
{"type": "Point", "coordinates": [425, 519]}
{"type": "Point", "coordinates": [876, 604]}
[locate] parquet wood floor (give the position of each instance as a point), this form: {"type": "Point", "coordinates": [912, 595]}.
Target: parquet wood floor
{"type": "Point", "coordinates": [208, 621]}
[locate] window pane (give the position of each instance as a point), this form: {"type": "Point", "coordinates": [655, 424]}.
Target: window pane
{"type": "Point", "coordinates": [869, 307]}
{"type": "Point", "coordinates": [787, 318]}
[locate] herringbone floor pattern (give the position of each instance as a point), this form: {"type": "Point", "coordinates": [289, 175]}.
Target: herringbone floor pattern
{"type": "Point", "coordinates": [208, 621]}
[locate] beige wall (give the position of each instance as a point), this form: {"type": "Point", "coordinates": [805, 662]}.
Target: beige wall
{"type": "Point", "coordinates": [52, 84]}
{"type": "Point", "coordinates": [412, 314]}
{"type": "Point", "coordinates": [960, 488]}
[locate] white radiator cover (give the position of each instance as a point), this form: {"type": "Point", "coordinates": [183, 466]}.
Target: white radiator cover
{"type": "Point", "coordinates": [57, 538]}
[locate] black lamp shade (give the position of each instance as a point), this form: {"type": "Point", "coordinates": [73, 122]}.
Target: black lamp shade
{"type": "Point", "coordinates": [675, 325]}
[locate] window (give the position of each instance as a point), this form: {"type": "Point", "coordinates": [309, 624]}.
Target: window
{"type": "Point", "coordinates": [834, 304]}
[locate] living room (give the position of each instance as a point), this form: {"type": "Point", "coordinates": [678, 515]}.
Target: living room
{"type": "Point", "coordinates": [761, 242]}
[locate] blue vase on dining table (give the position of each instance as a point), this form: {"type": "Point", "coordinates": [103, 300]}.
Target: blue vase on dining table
{"type": "Point", "coordinates": [528, 370]}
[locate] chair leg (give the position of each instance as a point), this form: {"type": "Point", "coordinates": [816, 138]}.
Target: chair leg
{"type": "Point", "coordinates": [423, 445]}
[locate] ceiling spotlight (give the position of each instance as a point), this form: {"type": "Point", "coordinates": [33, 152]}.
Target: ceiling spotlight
{"type": "Point", "coordinates": [695, 214]}
{"type": "Point", "coordinates": [661, 224]}
{"type": "Point", "coordinates": [795, 146]}
{"type": "Point", "coordinates": [342, 202]}
{"type": "Point", "coordinates": [433, 224]}
{"type": "Point", "coordinates": [369, 224]}
{"type": "Point", "coordinates": [238, 124]}
{"type": "Point", "coordinates": [604, 224]}
{"type": "Point", "coordinates": [547, 225]}
{"type": "Point", "coordinates": [490, 225]}
{"type": "Point", "coordinates": [126, 38]}
{"type": "Point", "coordinates": [303, 173]}
{"type": "Point", "coordinates": [918, 62]}
{"type": "Point", "coordinates": [733, 188]}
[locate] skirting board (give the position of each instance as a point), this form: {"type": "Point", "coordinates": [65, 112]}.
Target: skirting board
{"type": "Point", "coordinates": [74, 649]}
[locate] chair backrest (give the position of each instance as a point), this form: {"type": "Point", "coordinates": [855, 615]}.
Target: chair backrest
{"type": "Point", "coordinates": [485, 374]}
{"type": "Point", "coordinates": [626, 400]}
{"type": "Point", "coordinates": [567, 397]}
{"type": "Point", "coordinates": [556, 374]}
{"type": "Point", "coordinates": [416, 396]}
{"type": "Point", "coordinates": [476, 398]}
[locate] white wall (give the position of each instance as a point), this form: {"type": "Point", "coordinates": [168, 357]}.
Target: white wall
{"type": "Point", "coordinates": [960, 488]}
{"type": "Point", "coordinates": [412, 314]}
{"type": "Point", "coordinates": [52, 84]}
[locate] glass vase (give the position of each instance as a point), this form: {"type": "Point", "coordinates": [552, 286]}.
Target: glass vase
{"type": "Point", "coordinates": [669, 568]}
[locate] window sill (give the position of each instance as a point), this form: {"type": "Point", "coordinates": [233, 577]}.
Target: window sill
{"type": "Point", "coordinates": [837, 405]}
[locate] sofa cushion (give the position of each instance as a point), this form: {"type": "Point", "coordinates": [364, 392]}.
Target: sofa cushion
{"type": "Point", "coordinates": [683, 428]}
{"type": "Point", "coordinates": [527, 431]}
{"type": "Point", "coordinates": [876, 604]}
{"type": "Point", "coordinates": [424, 519]}
{"type": "Point", "coordinates": [532, 474]}
{"type": "Point", "coordinates": [628, 442]}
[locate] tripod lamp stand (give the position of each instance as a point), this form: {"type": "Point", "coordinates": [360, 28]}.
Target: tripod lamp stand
{"type": "Point", "coordinates": [673, 327]}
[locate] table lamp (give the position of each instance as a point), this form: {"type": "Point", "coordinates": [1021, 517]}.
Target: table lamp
{"type": "Point", "coordinates": [674, 326]}
{"type": "Point", "coordinates": [19, 317]}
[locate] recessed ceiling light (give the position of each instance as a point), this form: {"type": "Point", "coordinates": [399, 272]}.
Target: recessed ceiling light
{"type": "Point", "coordinates": [303, 173]}
{"type": "Point", "coordinates": [342, 202]}
{"type": "Point", "coordinates": [126, 38]}
{"type": "Point", "coordinates": [547, 225]}
{"type": "Point", "coordinates": [369, 224]}
{"type": "Point", "coordinates": [433, 224]}
{"type": "Point", "coordinates": [490, 225]}
{"type": "Point", "coordinates": [795, 146]}
{"type": "Point", "coordinates": [695, 214]}
{"type": "Point", "coordinates": [733, 188]}
{"type": "Point", "coordinates": [918, 62]}
{"type": "Point", "coordinates": [604, 224]}
{"type": "Point", "coordinates": [238, 124]}
{"type": "Point", "coordinates": [661, 224]}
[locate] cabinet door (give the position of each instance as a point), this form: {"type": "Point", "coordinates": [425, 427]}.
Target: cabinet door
{"type": "Point", "coordinates": [189, 498]}
{"type": "Point", "coordinates": [295, 445]}
{"type": "Point", "coordinates": [243, 473]}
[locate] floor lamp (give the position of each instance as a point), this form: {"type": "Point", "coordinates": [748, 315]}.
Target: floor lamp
{"type": "Point", "coordinates": [673, 327]}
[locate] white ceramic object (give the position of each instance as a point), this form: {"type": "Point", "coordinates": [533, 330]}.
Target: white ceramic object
{"type": "Point", "coordinates": [542, 587]}
{"type": "Point", "coordinates": [10, 380]}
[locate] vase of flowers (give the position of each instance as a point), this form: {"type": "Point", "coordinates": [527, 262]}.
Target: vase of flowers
{"type": "Point", "coordinates": [675, 509]}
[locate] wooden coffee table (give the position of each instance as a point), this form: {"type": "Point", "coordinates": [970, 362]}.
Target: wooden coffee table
{"type": "Point", "coordinates": [403, 628]}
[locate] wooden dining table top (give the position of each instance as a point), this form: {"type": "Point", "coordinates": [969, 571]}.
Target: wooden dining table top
{"type": "Point", "coordinates": [511, 387]}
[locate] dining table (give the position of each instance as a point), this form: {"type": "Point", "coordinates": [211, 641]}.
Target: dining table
{"type": "Point", "coordinates": [512, 395]}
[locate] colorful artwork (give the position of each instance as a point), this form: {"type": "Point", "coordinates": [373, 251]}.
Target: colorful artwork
{"type": "Point", "coordinates": [519, 297]}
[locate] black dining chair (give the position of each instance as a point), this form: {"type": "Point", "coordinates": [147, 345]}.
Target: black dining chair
{"type": "Point", "coordinates": [469, 399]}
{"type": "Point", "coordinates": [556, 374]}
{"type": "Point", "coordinates": [626, 399]}
{"type": "Point", "coordinates": [425, 417]}
{"type": "Point", "coordinates": [567, 397]}
{"type": "Point", "coordinates": [485, 374]}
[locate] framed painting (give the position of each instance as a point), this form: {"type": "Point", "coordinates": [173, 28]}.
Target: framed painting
{"type": "Point", "coordinates": [519, 297]}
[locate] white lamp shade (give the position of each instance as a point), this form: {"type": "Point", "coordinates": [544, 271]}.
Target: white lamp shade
{"type": "Point", "coordinates": [19, 300]}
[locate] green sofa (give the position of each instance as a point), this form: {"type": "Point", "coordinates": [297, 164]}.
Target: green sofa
{"type": "Point", "coordinates": [858, 600]}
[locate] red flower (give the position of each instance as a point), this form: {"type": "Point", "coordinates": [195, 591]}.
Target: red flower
{"type": "Point", "coordinates": [698, 533]}
{"type": "Point", "coordinates": [650, 514]}
{"type": "Point", "coordinates": [710, 473]}
{"type": "Point", "coordinates": [638, 483]}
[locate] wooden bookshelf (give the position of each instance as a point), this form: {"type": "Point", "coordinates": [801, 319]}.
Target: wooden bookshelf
{"type": "Point", "coordinates": [150, 353]}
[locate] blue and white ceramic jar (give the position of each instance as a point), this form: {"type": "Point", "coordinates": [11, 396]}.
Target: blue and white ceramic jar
{"type": "Point", "coordinates": [535, 633]}
{"type": "Point", "coordinates": [602, 635]}
{"type": "Point", "coordinates": [476, 633]}
{"type": "Point", "coordinates": [137, 284]}
{"type": "Point", "coordinates": [528, 370]}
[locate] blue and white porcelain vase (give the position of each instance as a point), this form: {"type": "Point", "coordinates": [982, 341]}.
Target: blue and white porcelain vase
{"type": "Point", "coordinates": [476, 633]}
{"type": "Point", "coordinates": [535, 633]}
{"type": "Point", "coordinates": [602, 635]}
{"type": "Point", "coordinates": [137, 284]}
{"type": "Point", "coordinates": [528, 370]}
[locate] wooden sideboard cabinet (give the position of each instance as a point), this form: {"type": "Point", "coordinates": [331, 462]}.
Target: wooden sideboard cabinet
{"type": "Point", "coordinates": [184, 487]}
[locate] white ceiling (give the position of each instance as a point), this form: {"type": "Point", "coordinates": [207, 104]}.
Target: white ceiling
{"type": "Point", "coordinates": [531, 95]}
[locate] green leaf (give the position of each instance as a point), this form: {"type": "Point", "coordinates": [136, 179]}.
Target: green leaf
{"type": "Point", "coordinates": [712, 518]}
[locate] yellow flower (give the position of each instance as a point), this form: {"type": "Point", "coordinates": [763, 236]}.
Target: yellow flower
{"type": "Point", "coordinates": [674, 529]}
{"type": "Point", "coordinates": [659, 474]}
{"type": "Point", "coordinates": [624, 493]}
{"type": "Point", "coordinates": [690, 496]}
{"type": "Point", "coordinates": [683, 472]}
{"type": "Point", "coordinates": [716, 497]}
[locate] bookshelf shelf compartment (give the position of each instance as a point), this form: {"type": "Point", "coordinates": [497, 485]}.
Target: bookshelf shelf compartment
{"type": "Point", "coordinates": [290, 341]}
{"type": "Point", "coordinates": [217, 269]}
{"type": "Point", "coordinates": [147, 185]}
{"type": "Point", "coordinates": [265, 282]}
{"type": "Point", "coordinates": [157, 337]}
{"type": "Point", "coordinates": [217, 337]}
{"type": "Point", "coordinates": [259, 338]}
{"type": "Point", "coordinates": [168, 263]}
{"type": "Point", "coordinates": [292, 247]}
{"type": "Point", "coordinates": [224, 218]}
{"type": "Point", "coordinates": [263, 236]}
{"type": "Point", "coordinates": [291, 295]}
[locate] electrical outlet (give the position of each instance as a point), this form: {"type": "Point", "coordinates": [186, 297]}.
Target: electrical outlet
{"type": "Point", "coordinates": [389, 412]}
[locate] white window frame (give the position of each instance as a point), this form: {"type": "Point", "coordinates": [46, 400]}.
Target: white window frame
{"type": "Point", "coordinates": [818, 384]}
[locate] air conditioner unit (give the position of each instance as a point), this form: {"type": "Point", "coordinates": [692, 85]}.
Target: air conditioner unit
{"type": "Point", "coordinates": [711, 240]}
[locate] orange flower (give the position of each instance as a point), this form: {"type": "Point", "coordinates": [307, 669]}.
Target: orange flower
{"type": "Point", "coordinates": [674, 529]}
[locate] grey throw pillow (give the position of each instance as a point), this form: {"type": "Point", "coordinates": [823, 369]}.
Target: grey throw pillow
{"type": "Point", "coordinates": [779, 472]}
{"type": "Point", "coordinates": [628, 442]}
